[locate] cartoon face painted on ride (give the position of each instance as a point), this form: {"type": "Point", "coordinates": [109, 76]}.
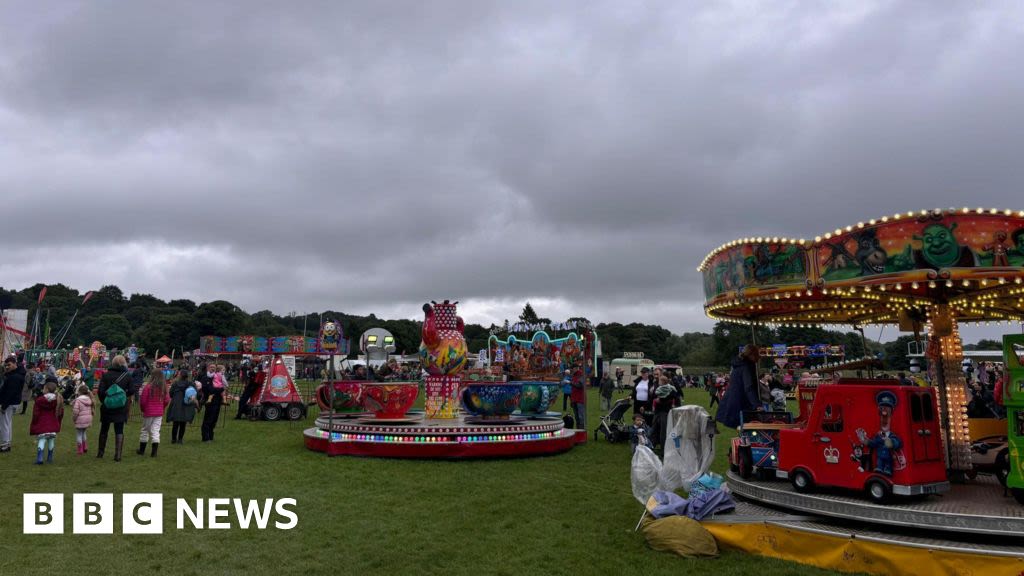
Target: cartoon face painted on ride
{"type": "Point", "coordinates": [329, 337]}
{"type": "Point", "coordinates": [939, 247]}
{"type": "Point", "coordinates": [870, 255]}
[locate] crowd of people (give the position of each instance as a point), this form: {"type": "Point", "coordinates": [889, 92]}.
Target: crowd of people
{"type": "Point", "coordinates": [111, 400]}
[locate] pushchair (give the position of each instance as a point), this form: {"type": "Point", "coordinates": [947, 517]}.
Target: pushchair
{"type": "Point", "coordinates": [612, 425]}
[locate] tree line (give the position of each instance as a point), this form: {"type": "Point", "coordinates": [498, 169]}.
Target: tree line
{"type": "Point", "coordinates": [119, 320]}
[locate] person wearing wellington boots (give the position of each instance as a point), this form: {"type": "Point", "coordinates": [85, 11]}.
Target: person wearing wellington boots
{"type": "Point", "coordinates": [115, 392]}
{"type": "Point", "coordinates": [46, 417]}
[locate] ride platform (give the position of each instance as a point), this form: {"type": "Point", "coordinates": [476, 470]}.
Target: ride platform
{"type": "Point", "coordinates": [977, 507]}
{"type": "Point", "coordinates": [461, 438]}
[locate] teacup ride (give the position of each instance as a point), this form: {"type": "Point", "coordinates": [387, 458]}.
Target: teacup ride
{"type": "Point", "coordinates": [476, 414]}
{"type": "Point", "coordinates": [537, 396]}
{"type": "Point", "coordinates": [341, 399]}
{"type": "Point", "coordinates": [491, 402]}
{"type": "Point", "coordinates": [390, 402]}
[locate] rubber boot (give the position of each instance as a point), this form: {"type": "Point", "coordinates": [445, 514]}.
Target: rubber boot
{"type": "Point", "coordinates": [39, 456]}
{"type": "Point", "coordinates": [103, 444]}
{"type": "Point", "coordinates": [142, 449]}
{"type": "Point", "coordinates": [49, 457]}
{"type": "Point", "coordinates": [118, 446]}
{"type": "Point", "coordinates": [155, 446]}
{"type": "Point", "coordinates": [85, 446]}
{"type": "Point", "coordinates": [78, 450]}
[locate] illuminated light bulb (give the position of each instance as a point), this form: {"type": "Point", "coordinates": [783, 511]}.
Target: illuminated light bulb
{"type": "Point", "coordinates": [914, 285]}
{"type": "Point", "coordinates": [885, 218]}
{"type": "Point", "coordinates": [817, 238]}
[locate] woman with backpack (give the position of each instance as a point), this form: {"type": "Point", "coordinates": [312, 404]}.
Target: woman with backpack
{"type": "Point", "coordinates": [153, 399]}
{"type": "Point", "coordinates": [184, 402]}
{"type": "Point", "coordinates": [115, 391]}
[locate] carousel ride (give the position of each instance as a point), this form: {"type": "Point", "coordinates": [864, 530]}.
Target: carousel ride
{"type": "Point", "coordinates": [478, 413]}
{"type": "Point", "coordinates": [893, 461]}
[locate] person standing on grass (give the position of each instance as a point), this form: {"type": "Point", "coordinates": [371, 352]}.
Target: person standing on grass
{"type": "Point", "coordinates": [666, 397]}
{"type": "Point", "coordinates": [642, 393]}
{"type": "Point", "coordinates": [251, 386]}
{"type": "Point", "coordinates": [46, 416]}
{"type": "Point", "coordinates": [607, 387]}
{"type": "Point", "coordinates": [153, 400]}
{"type": "Point", "coordinates": [579, 399]}
{"type": "Point", "coordinates": [566, 389]}
{"type": "Point", "coordinates": [82, 411]}
{"type": "Point", "coordinates": [743, 391]}
{"type": "Point", "coordinates": [115, 394]}
{"type": "Point", "coordinates": [214, 399]}
{"type": "Point", "coordinates": [184, 401]}
{"type": "Point", "coordinates": [10, 396]}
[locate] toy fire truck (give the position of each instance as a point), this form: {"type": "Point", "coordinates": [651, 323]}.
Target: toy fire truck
{"type": "Point", "coordinates": [871, 435]}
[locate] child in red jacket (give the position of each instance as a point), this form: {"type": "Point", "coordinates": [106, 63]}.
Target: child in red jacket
{"type": "Point", "coordinates": [46, 416]}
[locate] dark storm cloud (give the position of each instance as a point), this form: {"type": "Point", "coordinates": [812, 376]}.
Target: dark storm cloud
{"type": "Point", "coordinates": [585, 156]}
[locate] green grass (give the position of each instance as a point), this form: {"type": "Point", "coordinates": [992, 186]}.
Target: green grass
{"type": "Point", "coordinates": [569, 514]}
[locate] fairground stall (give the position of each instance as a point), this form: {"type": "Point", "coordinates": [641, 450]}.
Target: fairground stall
{"type": "Point", "coordinates": [896, 458]}
{"type": "Point", "coordinates": [277, 395]}
{"type": "Point", "coordinates": [481, 416]}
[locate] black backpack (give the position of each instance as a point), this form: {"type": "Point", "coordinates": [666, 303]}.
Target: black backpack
{"type": "Point", "coordinates": [568, 421]}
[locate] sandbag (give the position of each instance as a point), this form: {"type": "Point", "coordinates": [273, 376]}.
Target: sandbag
{"type": "Point", "coordinates": [680, 535]}
{"type": "Point", "coordinates": [644, 473]}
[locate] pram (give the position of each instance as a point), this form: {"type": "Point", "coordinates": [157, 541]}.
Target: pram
{"type": "Point", "coordinates": [612, 425]}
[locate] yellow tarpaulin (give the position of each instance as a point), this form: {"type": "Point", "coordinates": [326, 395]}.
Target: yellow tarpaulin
{"type": "Point", "coordinates": [847, 554]}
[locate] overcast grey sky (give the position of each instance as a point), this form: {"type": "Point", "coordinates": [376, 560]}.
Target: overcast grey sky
{"type": "Point", "coordinates": [585, 156]}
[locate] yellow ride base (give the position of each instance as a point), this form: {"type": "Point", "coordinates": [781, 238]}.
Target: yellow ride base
{"type": "Point", "coordinates": [859, 553]}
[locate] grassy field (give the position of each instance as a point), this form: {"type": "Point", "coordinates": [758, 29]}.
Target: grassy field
{"type": "Point", "coordinates": [567, 514]}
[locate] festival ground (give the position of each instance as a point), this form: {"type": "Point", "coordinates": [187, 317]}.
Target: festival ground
{"type": "Point", "coordinates": [569, 514]}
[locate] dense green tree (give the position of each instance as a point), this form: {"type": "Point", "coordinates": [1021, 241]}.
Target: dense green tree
{"type": "Point", "coordinates": [111, 329]}
{"type": "Point", "coordinates": [219, 318]}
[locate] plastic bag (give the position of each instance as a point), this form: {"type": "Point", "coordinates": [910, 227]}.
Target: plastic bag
{"type": "Point", "coordinates": [689, 447]}
{"type": "Point", "coordinates": [644, 474]}
{"type": "Point", "coordinates": [706, 483]}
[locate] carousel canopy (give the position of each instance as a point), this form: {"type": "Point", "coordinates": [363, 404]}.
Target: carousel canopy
{"type": "Point", "coordinates": [896, 269]}
{"type": "Point", "coordinates": [163, 359]}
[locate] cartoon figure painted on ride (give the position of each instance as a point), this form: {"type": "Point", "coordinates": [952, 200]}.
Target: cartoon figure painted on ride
{"type": "Point", "coordinates": [330, 337]}
{"type": "Point", "coordinates": [443, 355]}
{"type": "Point", "coordinates": [886, 445]}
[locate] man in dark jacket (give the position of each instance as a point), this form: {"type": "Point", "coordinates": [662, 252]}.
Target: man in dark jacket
{"type": "Point", "coordinates": [213, 400]}
{"type": "Point", "coordinates": [251, 387]}
{"type": "Point", "coordinates": [742, 394]}
{"type": "Point", "coordinates": [10, 397]}
{"type": "Point", "coordinates": [117, 374]}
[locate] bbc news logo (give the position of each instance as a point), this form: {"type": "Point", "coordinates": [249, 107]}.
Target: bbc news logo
{"type": "Point", "coordinates": [144, 514]}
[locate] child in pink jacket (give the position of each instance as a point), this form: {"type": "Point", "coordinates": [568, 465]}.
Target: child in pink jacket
{"type": "Point", "coordinates": [82, 413]}
{"type": "Point", "coordinates": [153, 400]}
